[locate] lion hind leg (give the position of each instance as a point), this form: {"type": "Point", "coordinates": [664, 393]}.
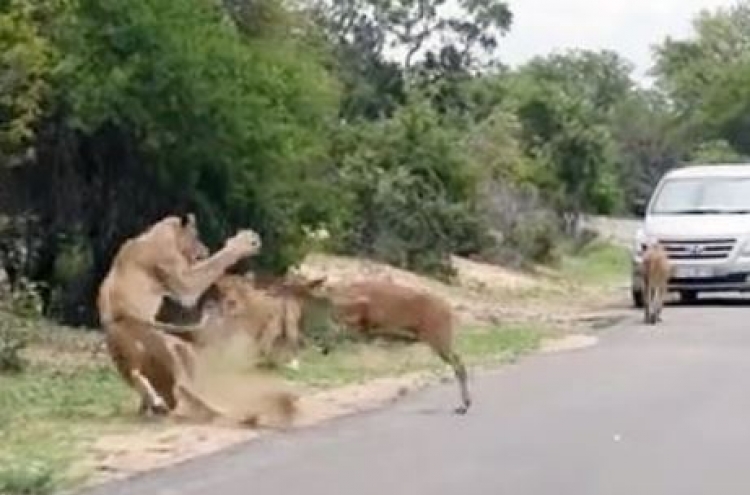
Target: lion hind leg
{"type": "Point", "coordinates": [662, 297]}
{"type": "Point", "coordinates": [151, 401]}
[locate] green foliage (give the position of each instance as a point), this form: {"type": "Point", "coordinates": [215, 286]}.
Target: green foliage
{"type": "Point", "coordinates": [25, 300]}
{"type": "Point", "coordinates": [50, 413]}
{"type": "Point", "coordinates": [717, 151]}
{"type": "Point", "coordinates": [596, 264]}
{"type": "Point", "coordinates": [538, 238]}
{"type": "Point", "coordinates": [26, 479]}
{"type": "Point", "coordinates": [564, 132]}
{"type": "Point", "coordinates": [494, 148]}
{"type": "Point", "coordinates": [25, 65]}
{"type": "Point", "coordinates": [357, 362]}
{"type": "Point", "coordinates": [12, 343]}
{"type": "Point", "coordinates": [320, 329]}
{"type": "Point", "coordinates": [650, 141]}
{"type": "Point", "coordinates": [410, 190]}
{"type": "Point", "coordinates": [707, 78]}
{"type": "Point", "coordinates": [725, 105]}
{"type": "Point", "coordinates": [686, 69]}
{"type": "Point", "coordinates": [601, 78]}
{"type": "Point", "coordinates": [19, 311]}
{"type": "Point", "coordinates": [254, 111]}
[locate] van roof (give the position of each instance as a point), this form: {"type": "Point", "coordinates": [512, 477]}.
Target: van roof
{"type": "Point", "coordinates": [715, 170]}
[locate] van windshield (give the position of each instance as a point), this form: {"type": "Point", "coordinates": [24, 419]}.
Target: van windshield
{"type": "Point", "coordinates": [703, 195]}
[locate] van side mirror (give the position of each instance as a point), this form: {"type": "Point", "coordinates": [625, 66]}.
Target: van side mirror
{"type": "Point", "coordinates": [639, 207]}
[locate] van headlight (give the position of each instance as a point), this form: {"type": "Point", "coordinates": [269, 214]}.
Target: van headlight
{"type": "Point", "coordinates": [745, 251]}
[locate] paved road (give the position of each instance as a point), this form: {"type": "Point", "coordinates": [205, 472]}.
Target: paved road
{"type": "Point", "coordinates": [646, 412]}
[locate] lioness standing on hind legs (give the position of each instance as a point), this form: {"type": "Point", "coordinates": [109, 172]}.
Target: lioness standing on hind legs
{"type": "Point", "coordinates": [656, 271]}
{"type": "Point", "coordinates": [168, 259]}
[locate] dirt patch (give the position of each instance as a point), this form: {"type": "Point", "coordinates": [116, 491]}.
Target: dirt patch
{"type": "Point", "coordinates": [152, 446]}
{"type": "Point", "coordinates": [119, 455]}
{"type": "Point", "coordinates": [226, 376]}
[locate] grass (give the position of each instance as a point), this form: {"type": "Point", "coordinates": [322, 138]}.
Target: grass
{"type": "Point", "coordinates": [598, 264]}
{"type": "Point", "coordinates": [359, 362]}
{"type": "Point", "coordinates": [46, 416]}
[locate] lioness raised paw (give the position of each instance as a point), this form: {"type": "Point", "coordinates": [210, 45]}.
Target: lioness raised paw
{"type": "Point", "coordinates": [245, 242]}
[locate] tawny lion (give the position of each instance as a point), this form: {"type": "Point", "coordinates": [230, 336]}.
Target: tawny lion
{"type": "Point", "coordinates": [380, 307]}
{"type": "Point", "coordinates": [165, 260]}
{"type": "Point", "coordinates": [656, 271]}
{"type": "Point", "coordinates": [270, 316]}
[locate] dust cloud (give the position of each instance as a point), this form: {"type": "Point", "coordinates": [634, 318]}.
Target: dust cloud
{"type": "Point", "coordinates": [226, 376]}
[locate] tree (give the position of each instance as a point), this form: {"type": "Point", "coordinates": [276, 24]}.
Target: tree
{"type": "Point", "coordinates": [26, 61]}
{"type": "Point", "coordinates": [600, 78]}
{"type": "Point", "coordinates": [384, 48]}
{"type": "Point", "coordinates": [565, 102]}
{"type": "Point", "coordinates": [408, 27]}
{"type": "Point", "coordinates": [649, 140]}
{"type": "Point", "coordinates": [706, 77]}
{"type": "Point", "coordinates": [410, 190]}
{"type": "Point", "coordinates": [686, 69]}
{"type": "Point", "coordinates": [717, 151]}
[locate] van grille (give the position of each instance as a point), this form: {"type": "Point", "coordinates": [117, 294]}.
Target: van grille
{"type": "Point", "coordinates": [694, 249]}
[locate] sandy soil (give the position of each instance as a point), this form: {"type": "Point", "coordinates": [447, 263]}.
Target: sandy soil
{"type": "Point", "coordinates": [119, 455]}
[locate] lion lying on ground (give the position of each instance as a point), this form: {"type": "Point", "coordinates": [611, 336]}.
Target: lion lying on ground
{"type": "Point", "coordinates": [656, 271]}
{"type": "Point", "coordinates": [168, 259]}
{"type": "Point", "coordinates": [270, 317]}
{"type": "Point", "coordinates": [268, 309]}
{"type": "Point", "coordinates": [383, 308]}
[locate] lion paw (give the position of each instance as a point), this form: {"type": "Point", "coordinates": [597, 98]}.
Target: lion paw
{"type": "Point", "coordinates": [245, 242]}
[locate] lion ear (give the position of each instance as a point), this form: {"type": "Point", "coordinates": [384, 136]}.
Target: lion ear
{"type": "Point", "coordinates": [188, 220]}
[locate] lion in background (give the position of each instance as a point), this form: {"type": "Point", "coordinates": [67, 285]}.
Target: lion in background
{"type": "Point", "coordinates": [656, 272]}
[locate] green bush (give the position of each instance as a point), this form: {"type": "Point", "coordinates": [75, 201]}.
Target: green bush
{"type": "Point", "coordinates": [409, 190]}
{"type": "Point", "coordinates": [320, 329]}
{"type": "Point", "coordinates": [25, 300]}
{"type": "Point", "coordinates": [538, 239]}
{"type": "Point", "coordinates": [148, 108]}
{"type": "Point", "coordinates": [234, 125]}
{"type": "Point", "coordinates": [13, 340]}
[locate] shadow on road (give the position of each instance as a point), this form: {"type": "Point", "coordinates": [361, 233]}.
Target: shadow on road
{"type": "Point", "coordinates": [713, 302]}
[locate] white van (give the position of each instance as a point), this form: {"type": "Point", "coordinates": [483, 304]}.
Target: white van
{"type": "Point", "coordinates": [701, 214]}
